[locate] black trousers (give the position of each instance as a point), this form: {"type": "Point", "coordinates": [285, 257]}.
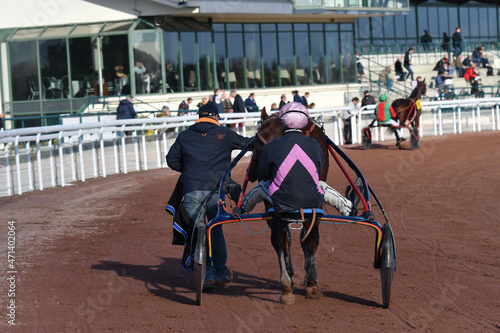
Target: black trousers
{"type": "Point", "coordinates": [347, 131]}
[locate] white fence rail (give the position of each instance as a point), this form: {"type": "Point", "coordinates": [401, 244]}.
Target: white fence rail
{"type": "Point", "coordinates": [39, 157]}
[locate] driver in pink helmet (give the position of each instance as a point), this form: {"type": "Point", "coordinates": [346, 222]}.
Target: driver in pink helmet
{"type": "Point", "coordinates": [289, 169]}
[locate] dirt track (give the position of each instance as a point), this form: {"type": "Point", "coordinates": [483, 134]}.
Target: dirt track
{"type": "Point", "coordinates": [96, 256]}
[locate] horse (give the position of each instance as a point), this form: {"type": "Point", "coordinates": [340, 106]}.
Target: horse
{"type": "Point", "coordinates": [280, 233]}
{"type": "Point", "coordinates": [408, 110]}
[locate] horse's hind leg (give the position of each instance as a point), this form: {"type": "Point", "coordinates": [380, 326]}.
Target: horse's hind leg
{"type": "Point", "coordinates": [280, 236]}
{"type": "Point", "coordinates": [309, 247]}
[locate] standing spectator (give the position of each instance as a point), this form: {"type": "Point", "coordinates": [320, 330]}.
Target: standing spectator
{"type": "Point", "coordinates": [359, 65]}
{"type": "Point", "coordinates": [184, 106]}
{"type": "Point", "coordinates": [282, 101]}
{"type": "Point", "coordinates": [296, 97]}
{"type": "Point", "coordinates": [426, 40]}
{"type": "Point", "coordinates": [126, 110]}
{"type": "Point", "coordinates": [386, 78]}
{"type": "Point", "coordinates": [398, 68]}
{"type": "Point", "coordinates": [226, 103]}
{"type": "Point", "coordinates": [407, 63]}
{"type": "Point", "coordinates": [459, 66]}
{"type": "Point", "coordinates": [446, 42]}
{"type": "Point", "coordinates": [485, 64]}
{"type": "Point", "coordinates": [346, 117]}
{"type": "Point", "coordinates": [202, 157]}
{"type": "Point", "coordinates": [217, 99]}
{"type": "Point", "coordinates": [238, 105]}
{"type": "Point", "coordinates": [368, 99]}
{"type": "Point", "coordinates": [250, 103]}
{"type": "Point", "coordinates": [457, 41]}
{"type": "Point", "coordinates": [304, 99]}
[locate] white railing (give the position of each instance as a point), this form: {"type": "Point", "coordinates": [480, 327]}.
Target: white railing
{"type": "Point", "coordinates": [39, 157]}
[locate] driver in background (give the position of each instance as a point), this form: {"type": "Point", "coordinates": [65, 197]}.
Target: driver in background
{"type": "Point", "coordinates": [385, 114]}
{"type": "Point", "coordinates": [289, 169]}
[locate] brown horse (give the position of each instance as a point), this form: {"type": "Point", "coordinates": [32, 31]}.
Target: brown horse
{"type": "Point", "coordinates": [280, 233]}
{"type": "Point", "coordinates": [408, 111]}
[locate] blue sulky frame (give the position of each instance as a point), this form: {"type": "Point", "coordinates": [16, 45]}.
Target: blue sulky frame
{"type": "Point", "coordinates": [385, 250]}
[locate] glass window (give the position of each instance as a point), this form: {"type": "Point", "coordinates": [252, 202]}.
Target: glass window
{"type": "Point", "coordinates": [464, 21]}
{"type": "Point", "coordinates": [268, 27]}
{"type": "Point", "coordinates": [235, 60]}
{"type": "Point", "coordinates": [335, 26]}
{"type": "Point", "coordinates": [284, 27]}
{"type": "Point", "coordinates": [233, 27]}
{"type": "Point", "coordinates": [483, 22]}
{"type": "Point", "coordinates": [443, 21]}
{"type": "Point", "coordinates": [24, 71]}
{"type": "Point", "coordinates": [300, 27]}
{"type": "Point", "coordinates": [189, 61]}
{"type": "Point", "coordinates": [400, 26]}
{"type": "Point", "coordinates": [302, 58]}
{"type": "Point", "coordinates": [474, 22]}
{"type": "Point", "coordinates": [54, 69]}
{"type": "Point", "coordinates": [377, 27]}
{"type": "Point", "coordinates": [218, 27]}
{"type": "Point", "coordinates": [205, 60]}
{"type": "Point", "coordinates": [269, 59]}
{"type": "Point", "coordinates": [422, 21]}
{"type": "Point", "coordinates": [318, 71]}
{"type": "Point", "coordinates": [220, 59]}
{"type": "Point", "coordinates": [171, 50]}
{"type": "Point", "coordinates": [332, 55]}
{"type": "Point", "coordinates": [57, 31]}
{"type": "Point", "coordinates": [116, 65]}
{"type": "Point", "coordinates": [363, 28]}
{"type": "Point", "coordinates": [147, 66]}
{"type": "Point", "coordinates": [411, 25]}
{"type": "Point", "coordinates": [389, 27]}
{"type": "Point", "coordinates": [252, 54]}
{"type": "Point", "coordinates": [285, 48]}
{"type": "Point", "coordinates": [86, 29]}
{"type": "Point", "coordinates": [492, 22]}
{"type": "Point", "coordinates": [316, 27]}
{"type": "Point", "coordinates": [117, 27]}
{"type": "Point", "coordinates": [453, 18]}
{"type": "Point", "coordinates": [347, 54]}
{"type": "Point", "coordinates": [432, 28]}
{"type": "Point", "coordinates": [84, 67]}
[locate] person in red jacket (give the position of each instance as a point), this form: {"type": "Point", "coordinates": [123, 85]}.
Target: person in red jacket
{"type": "Point", "coordinates": [471, 74]}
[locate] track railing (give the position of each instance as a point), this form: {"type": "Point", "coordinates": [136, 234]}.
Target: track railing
{"type": "Point", "coordinates": [38, 157]}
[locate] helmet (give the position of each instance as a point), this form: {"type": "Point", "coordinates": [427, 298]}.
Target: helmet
{"type": "Point", "coordinates": [383, 97]}
{"type": "Point", "coordinates": [294, 115]}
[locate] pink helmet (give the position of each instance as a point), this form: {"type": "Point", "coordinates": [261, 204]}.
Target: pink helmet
{"type": "Point", "coordinates": [294, 115]}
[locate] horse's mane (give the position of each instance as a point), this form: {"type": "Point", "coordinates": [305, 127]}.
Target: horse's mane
{"type": "Point", "coordinates": [418, 90]}
{"type": "Point", "coordinates": [266, 122]}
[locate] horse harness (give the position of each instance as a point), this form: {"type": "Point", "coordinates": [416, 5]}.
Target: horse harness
{"type": "Point", "coordinates": [414, 107]}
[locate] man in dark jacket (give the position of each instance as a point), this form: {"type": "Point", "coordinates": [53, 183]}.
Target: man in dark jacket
{"type": "Point", "coordinates": [184, 106]}
{"type": "Point", "coordinates": [250, 103]}
{"type": "Point", "coordinates": [407, 63]}
{"type": "Point", "coordinates": [457, 41]}
{"type": "Point", "coordinates": [202, 153]}
{"type": "Point", "coordinates": [238, 105]}
{"type": "Point", "coordinates": [126, 111]}
{"type": "Point", "coordinates": [368, 99]}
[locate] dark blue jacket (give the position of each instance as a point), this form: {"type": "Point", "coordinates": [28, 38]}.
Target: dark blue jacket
{"type": "Point", "coordinates": [126, 110]}
{"type": "Point", "coordinates": [202, 153]}
{"type": "Point", "coordinates": [238, 105]}
{"type": "Point", "coordinates": [293, 163]}
{"type": "Point", "coordinates": [304, 101]}
{"type": "Point", "coordinates": [298, 99]}
{"type": "Point", "coordinates": [251, 105]}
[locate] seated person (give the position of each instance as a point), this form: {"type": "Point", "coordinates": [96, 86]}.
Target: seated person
{"type": "Point", "coordinates": [471, 74]}
{"type": "Point", "coordinates": [459, 66]}
{"type": "Point", "coordinates": [485, 63]}
{"type": "Point", "coordinates": [467, 62]}
{"type": "Point", "coordinates": [440, 78]}
{"type": "Point", "coordinates": [477, 55]}
{"type": "Point", "coordinates": [290, 187]}
{"type": "Point", "coordinates": [476, 89]}
{"type": "Point", "coordinates": [386, 115]}
{"type": "Point", "coordinates": [398, 68]}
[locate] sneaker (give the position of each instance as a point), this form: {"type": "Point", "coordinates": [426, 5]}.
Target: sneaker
{"type": "Point", "coordinates": [229, 278]}
{"type": "Point", "coordinates": [208, 286]}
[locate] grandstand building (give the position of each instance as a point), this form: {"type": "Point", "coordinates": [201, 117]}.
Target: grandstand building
{"type": "Point", "coordinates": [56, 54]}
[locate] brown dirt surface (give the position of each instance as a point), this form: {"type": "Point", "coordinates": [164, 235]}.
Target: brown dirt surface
{"type": "Point", "coordinates": [97, 256]}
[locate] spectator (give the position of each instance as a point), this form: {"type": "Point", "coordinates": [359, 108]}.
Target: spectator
{"type": "Point", "coordinates": [274, 107]}
{"type": "Point", "coordinates": [368, 99]}
{"type": "Point", "coordinates": [386, 78]}
{"type": "Point", "coordinates": [398, 68]}
{"type": "Point", "coordinates": [476, 89]}
{"type": "Point", "coordinates": [250, 103]}
{"type": "Point", "coordinates": [443, 65]}
{"type": "Point", "coordinates": [165, 112]}
{"type": "Point", "coordinates": [226, 103]}
{"type": "Point", "coordinates": [485, 64]}
{"type": "Point", "coordinates": [346, 117]}
{"type": "Point", "coordinates": [204, 101]}
{"type": "Point", "coordinates": [477, 55]}
{"type": "Point", "coordinates": [238, 105]}
{"type": "Point", "coordinates": [296, 97]}
{"type": "Point", "coordinates": [457, 41]}
{"type": "Point", "coordinates": [459, 66]}
{"type": "Point", "coordinates": [446, 42]}
{"type": "Point", "coordinates": [304, 99]}
{"type": "Point", "coordinates": [440, 80]}
{"type": "Point", "coordinates": [126, 110]}
{"type": "Point", "coordinates": [426, 40]}
{"type": "Point", "coordinates": [467, 62]}
{"type": "Point", "coordinates": [407, 63]}
{"type": "Point", "coordinates": [311, 106]}
{"type": "Point", "coordinates": [359, 65]}
{"type": "Point", "coordinates": [217, 99]}
{"type": "Point", "coordinates": [282, 101]}
{"type": "Point", "coordinates": [184, 106]}
{"type": "Point", "coordinates": [471, 75]}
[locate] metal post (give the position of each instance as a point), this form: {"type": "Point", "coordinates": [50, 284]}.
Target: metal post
{"type": "Point", "coordinates": [157, 145]}
{"type": "Point", "coordinates": [52, 171]}
{"type": "Point", "coordinates": [115, 152]}
{"type": "Point", "coordinates": [61, 159]}
{"type": "Point", "coordinates": [103, 156]}
{"type": "Point", "coordinates": [94, 157]}
{"type": "Point", "coordinates": [454, 122]}
{"type": "Point", "coordinates": [434, 118]}
{"type": "Point", "coordinates": [18, 166]}
{"type": "Point", "coordinates": [73, 166]}
{"type": "Point", "coordinates": [136, 146]}
{"type": "Point", "coordinates": [473, 119]}
{"type": "Point", "coordinates": [165, 144]}
{"type": "Point", "coordinates": [498, 117]}
{"type": "Point", "coordinates": [478, 117]}
{"type": "Point", "coordinates": [30, 169]}
{"type": "Point", "coordinates": [459, 119]}
{"type": "Point", "coordinates": [124, 150]}
{"type": "Point", "coordinates": [144, 153]}
{"type": "Point", "coordinates": [39, 161]}
{"type": "Point", "coordinates": [80, 153]}
{"type": "Point", "coordinates": [7, 171]}
{"type": "Point", "coordinates": [440, 121]}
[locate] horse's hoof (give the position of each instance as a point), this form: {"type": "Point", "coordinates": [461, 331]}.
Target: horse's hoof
{"type": "Point", "coordinates": [287, 299]}
{"type": "Point", "coordinates": [312, 292]}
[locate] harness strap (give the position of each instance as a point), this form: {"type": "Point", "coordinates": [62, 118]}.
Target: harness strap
{"type": "Point", "coordinates": [264, 141]}
{"type": "Point", "coordinates": [308, 132]}
{"type": "Point", "coordinates": [313, 220]}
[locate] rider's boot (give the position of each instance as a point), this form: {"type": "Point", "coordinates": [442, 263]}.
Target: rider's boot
{"type": "Point", "coordinates": [335, 199]}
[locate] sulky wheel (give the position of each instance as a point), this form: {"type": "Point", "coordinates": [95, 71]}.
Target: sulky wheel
{"type": "Point", "coordinates": [415, 138]}
{"type": "Point", "coordinates": [387, 265]}
{"type": "Point", "coordinates": [200, 259]}
{"type": "Point", "coordinates": [366, 139]}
